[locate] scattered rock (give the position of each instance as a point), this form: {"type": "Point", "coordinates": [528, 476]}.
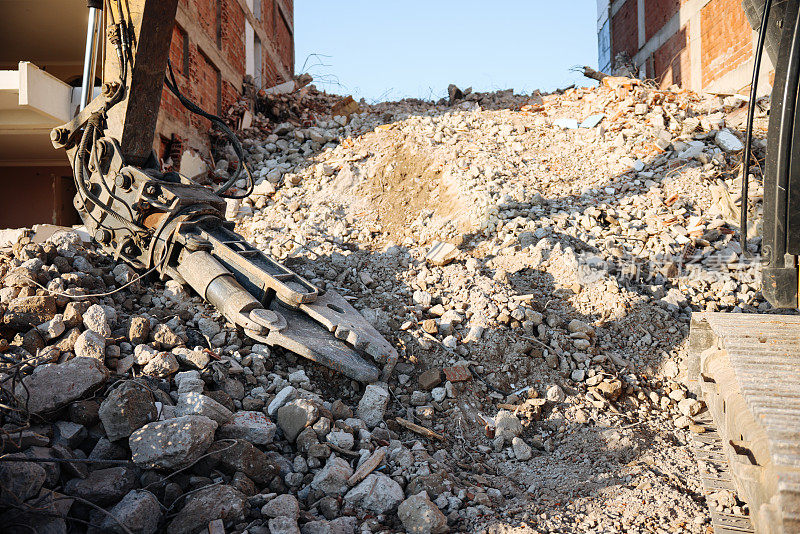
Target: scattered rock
{"type": "Point", "coordinates": [420, 516]}
{"type": "Point", "coordinates": [127, 408]}
{"type": "Point", "coordinates": [173, 443]}
{"type": "Point", "coordinates": [295, 416]}
{"type": "Point", "coordinates": [522, 451]}
{"type": "Point", "coordinates": [52, 386]}
{"type": "Point", "coordinates": [206, 505]}
{"type": "Point", "coordinates": [90, 344]}
{"type": "Point", "coordinates": [332, 479]}
{"type": "Point", "coordinates": [507, 426]}
{"type": "Point", "coordinates": [199, 404]}
{"type": "Point", "coordinates": [283, 505]}
{"type": "Point", "coordinates": [139, 511]}
{"type": "Point", "coordinates": [251, 426]}
{"type": "Point", "coordinates": [373, 405]}
{"type": "Point", "coordinates": [377, 493]}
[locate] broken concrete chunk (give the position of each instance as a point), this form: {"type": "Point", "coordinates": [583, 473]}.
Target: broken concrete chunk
{"type": "Point", "coordinates": [377, 493]}
{"type": "Point", "coordinates": [420, 516]}
{"type": "Point", "coordinates": [193, 358]}
{"type": "Point", "coordinates": [332, 479]}
{"type": "Point", "coordinates": [90, 344]}
{"type": "Point", "coordinates": [104, 486]}
{"type": "Point", "coordinates": [283, 525]}
{"type": "Point", "coordinates": [592, 120]}
{"type": "Point", "coordinates": [507, 426]}
{"type": "Point", "coordinates": [19, 481]}
{"type": "Point", "coordinates": [139, 330]}
{"type": "Point", "coordinates": [173, 443]}
{"type": "Point", "coordinates": [164, 335]}
{"type": "Point", "coordinates": [251, 426]}
{"type": "Point", "coordinates": [285, 505]}
{"type": "Point", "coordinates": [285, 395]}
{"type": "Point", "coordinates": [215, 502]}
{"type": "Point", "coordinates": [52, 386]}
{"type": "Point", "coordinates": [297, 415]}
{"type": "Point", "coordinates": [199, 404]}
{"type": "Point", "coordinates": [441, 253]}
{"type": "Point", "coordinates": [373, 405]}
{"type": "Point", "coordinates": [161, 365]}
{"type": "Point", "coordinates": [98, 319]}
{"type": "Point", "coordinates": [126, 409]}
{"type": "Point", "coordinates": [522, 451]}
{"type": "Point", "coordinates": [243, 456]}
{"type": "Point", "coordinates": [139, 511]}
{"type": "Point", "coordinates": [566, 124]}
{"type": "Point", "coordinates": [727, 141]}
{"type": "Point", "coordinates": [53, 328]}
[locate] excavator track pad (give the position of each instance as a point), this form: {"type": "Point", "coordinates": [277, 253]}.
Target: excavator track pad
{"type": "Point", "coordinates": [746, 368]}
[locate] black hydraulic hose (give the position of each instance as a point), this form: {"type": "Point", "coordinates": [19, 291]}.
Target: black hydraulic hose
{"type": "Point", "coordinates": [784, 142]}
{"type": "Point", "coordinates": [762, 33]}
{"type": "Point", "coordinates": [172, 85]}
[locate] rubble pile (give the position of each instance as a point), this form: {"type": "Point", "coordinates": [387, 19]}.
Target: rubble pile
{"type": "Point", "coordinates": [533, 258]}
{"type": "Point", "coordinates": [133, 406]}
{"type": "Point", "coordinates": [560, 243]}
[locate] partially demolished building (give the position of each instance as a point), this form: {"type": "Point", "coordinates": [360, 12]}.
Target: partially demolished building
{"type": "Point", "coordinates": [703, 45]}
{"type": "Point", "coordinates": [216, 45]}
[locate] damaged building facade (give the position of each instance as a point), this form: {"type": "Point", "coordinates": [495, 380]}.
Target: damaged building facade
{"type": "Point", "coordinates": [216, 45]}
{"type": "Point", "coordinates": [703, 45]}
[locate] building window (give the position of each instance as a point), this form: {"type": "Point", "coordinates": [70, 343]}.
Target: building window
{"type": "Point", "coordinates": [259, 62]}
{"type": "Point", "coordinates": [219, 22]}
{"type": "Point", "coordinates": [249, 50]}
{"type": "Point", "coordinates": [185, 43]}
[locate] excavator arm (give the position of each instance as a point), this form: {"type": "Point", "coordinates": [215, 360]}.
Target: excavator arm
{"type": "Point", "coordinates": [163, 222]}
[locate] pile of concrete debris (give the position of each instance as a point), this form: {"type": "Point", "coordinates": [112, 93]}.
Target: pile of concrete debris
{"type": "Point", "coordinates": [133, 410]}
{"type": "Point", "coordinates": [530, 256]}
{"type": "Point", "coordinates": [555, 244]}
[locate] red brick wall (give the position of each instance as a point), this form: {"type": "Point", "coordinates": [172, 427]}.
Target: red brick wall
{"type": "Point", "coordinates": [656, 14]}
{"type": "Point", "coordinates": [207, 17]}
{"type": "Point", "coordinates": [268, 16]}
{"type": "Point", "coordinates": [671, 62]}
{"type": "Point", "coordinates": [726, 38]}
{"type": "Point", "coordinates": [233, 34]}
{"type": "Point", "coordinates": [204, 85]}
{"type": "Point", "coordinates": [625, 29]}
{"type": "Point", "coordinates": [180, 58]}
{"type": "Point", "coordinates": [223, 22]}
{"type": "Point", "coordinates": [269, 71]}
{"type": "Point", "coordinates": [176, 52]}
{"type": "Point", "coordinates": [283, 40]}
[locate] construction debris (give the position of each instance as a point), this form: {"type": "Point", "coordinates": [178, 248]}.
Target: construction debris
{"type": "Point", "coordinates": [538, 280]}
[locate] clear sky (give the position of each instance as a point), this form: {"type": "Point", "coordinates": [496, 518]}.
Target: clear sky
{"type": "Point", "coordinates": [387, 50]}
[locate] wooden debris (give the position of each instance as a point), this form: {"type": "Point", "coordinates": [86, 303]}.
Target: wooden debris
{"type": "Point", "coordinates": [368, 467]}
{"type": "Point", "coordinates": [417, 429]}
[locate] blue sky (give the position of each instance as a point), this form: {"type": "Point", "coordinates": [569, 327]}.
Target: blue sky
{"type": "Point", "coordinates": [382, 50]}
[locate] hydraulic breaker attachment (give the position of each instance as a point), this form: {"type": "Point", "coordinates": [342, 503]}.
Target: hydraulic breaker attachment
{"type": "Point", "coordinates": [165, 222]}
{"type": "Point", "coordinates": [278, 307]}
